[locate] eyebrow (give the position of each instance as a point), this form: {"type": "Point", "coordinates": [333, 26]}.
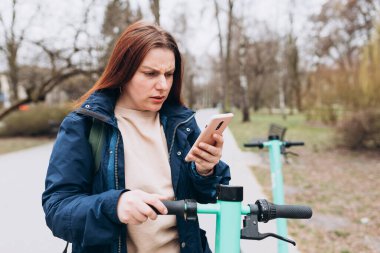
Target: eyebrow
{"type": "Point", "coordinates": [147, 67]}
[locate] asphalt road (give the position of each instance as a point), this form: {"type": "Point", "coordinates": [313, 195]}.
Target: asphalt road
{"type": "Point", "coordinates": [22, 220]}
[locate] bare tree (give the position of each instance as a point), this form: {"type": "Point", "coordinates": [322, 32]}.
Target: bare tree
{"type": "Point", "coordinates": [340, 30]}
{"type": "Point", "coordinates": [226, 59]}
{"type": "Point", "coordinates": [291, 62]}
{"type": "Point", "coordinates": [11, 47]}
{"type": "Point", "coordinates": [243, 82]}
{"type": "Point", "coordinates": [262, 68]}
{"type": "Point", "coordinates": [62, 63]}
{"type": "Point", "coordinates": [189, 80]}
{"type": "Point", "coordinates": [118, 16]}
{"type": "Point", "coordinates": [343, 24]}
{"type": "Point", "coordinates": [180, 31]}
{"type": "Point", "coordinates": [155, 8]}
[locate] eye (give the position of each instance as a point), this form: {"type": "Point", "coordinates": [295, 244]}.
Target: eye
{"type": "Point", "coordinates": [169, 74]}
{"type": "Point", "coordinates": [150, 74]}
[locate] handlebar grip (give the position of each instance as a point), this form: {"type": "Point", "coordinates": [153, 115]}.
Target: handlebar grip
{"type": "Point", "coordinates": [295, 143]}
{"type": "Point", "coordinates": [186, 208]}
{"type": "Point", "coordinates": [254, 145]}
{"type": "Point", "coordinates": [268, 211]}
{"type": "Point", "coordinates": [176, 207]}
{"type": "Point", "coordinates": [293, 212]}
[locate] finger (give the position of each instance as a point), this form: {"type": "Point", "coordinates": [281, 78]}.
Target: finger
{"type": "Point", "coordinates": [154, 201]}
{"type": "Point", "coordinates": [138, 216]}
{"type": "Point", "coordinates": [215, 151]}
{"type": "Point", "coordinates": [203, 155]}
{"type": "Point", "coordinates": [190, 157]}
{"type": "Point", "coordinates": [206, 163]}
{"type": "Point", "coordinates": [147, 211]}
{"type": "Point", "coordinates": [219, 140]}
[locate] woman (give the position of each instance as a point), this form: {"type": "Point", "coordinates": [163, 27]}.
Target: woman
{"type": "Point", "coordinates": [148, 133]}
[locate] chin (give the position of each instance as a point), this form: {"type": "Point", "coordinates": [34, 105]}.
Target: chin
{"type": "Point", "coordinates": [154, 108]}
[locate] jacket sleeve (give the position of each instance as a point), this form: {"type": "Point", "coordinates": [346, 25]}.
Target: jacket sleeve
{"type": "Point", "coordinates": [205, 186]}
{"type": "Point", "coordinates": [71, 211]}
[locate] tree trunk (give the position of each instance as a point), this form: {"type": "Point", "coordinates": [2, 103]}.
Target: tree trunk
{"type": "Point", "coordinates": [222, 69]}
{"type": "Point", "coordinates": [155, 7]}
{"type": "Point", "coordinates": [228, 81]}
{"type": "Point", "coordinates": [13, 71]}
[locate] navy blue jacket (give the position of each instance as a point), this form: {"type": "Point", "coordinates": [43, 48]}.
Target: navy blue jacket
{"type": "Point", "coordinates": [80, 202]}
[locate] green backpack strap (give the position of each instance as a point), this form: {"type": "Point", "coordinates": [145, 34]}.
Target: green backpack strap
{"type": "Point", "coordinates": [96, 139]}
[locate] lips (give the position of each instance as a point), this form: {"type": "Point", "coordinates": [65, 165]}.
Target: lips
{"type": "Point", "coordinates": [158, 99]}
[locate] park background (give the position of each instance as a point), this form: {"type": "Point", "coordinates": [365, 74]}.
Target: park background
{"type": "Point", "coordinates": [310, 66]}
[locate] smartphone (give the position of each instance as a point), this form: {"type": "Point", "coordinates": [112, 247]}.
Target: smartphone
{"type": "Point", "coordinates": [216, 124]}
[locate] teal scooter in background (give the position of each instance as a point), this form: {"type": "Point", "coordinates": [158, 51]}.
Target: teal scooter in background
{"type": "Point", "coordinates": [276, 148]}
{"type": "Point", "coordinates": [229, 209]}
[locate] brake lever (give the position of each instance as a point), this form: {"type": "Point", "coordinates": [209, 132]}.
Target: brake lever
{"type": "Point", "coordinates": [290, 153]}
{"type": "Point", "coordinates": [263, 236]}
{"type": "Point", "coordinates": [250, 229]}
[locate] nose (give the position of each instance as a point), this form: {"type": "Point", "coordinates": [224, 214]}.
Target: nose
{"type": "Point", "coordinates": [162, 83]}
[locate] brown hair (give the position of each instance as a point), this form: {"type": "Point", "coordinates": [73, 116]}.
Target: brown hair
{"type": "Point", "coordinates": [129, 51]}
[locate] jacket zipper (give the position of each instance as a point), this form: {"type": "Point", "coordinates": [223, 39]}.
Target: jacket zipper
{"type": "Point", "coordinates": [117, 179]}
{"type": "Point", "coordinates": [116, 170]}
{"type": "Point", "coordinates": [175, 130]}
{"type": "Point", "coordinates": [116, 174]}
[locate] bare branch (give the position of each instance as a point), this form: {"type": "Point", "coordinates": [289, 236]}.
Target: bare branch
{"type": "Point", "coordinates": [13, 107]}
{"type": "Point", "coordinates": [52, 55]}
{"type": "Point", "coordinates": [30, 21]}
{"type": "Point", "coordinates": [50, 84]}
{"type": "Point", "coordinates": [155, 8]}
{"type": "Point", "coordinates": [13, 21]}
{"type": "Point", "coordinates": [81, 29]}
{"type": "Point", "coordinates": [63, 63]}
{"type": "Point", "coordinates": [6, 36]}
{"type": "Point", "coordinates": [221, 54]}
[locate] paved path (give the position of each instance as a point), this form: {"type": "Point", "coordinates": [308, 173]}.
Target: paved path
{"type": "Point", "coordinates": [22, 224]}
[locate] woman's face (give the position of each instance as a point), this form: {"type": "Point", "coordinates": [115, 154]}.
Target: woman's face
{"type": "Point", "coordinates": [150, 85]}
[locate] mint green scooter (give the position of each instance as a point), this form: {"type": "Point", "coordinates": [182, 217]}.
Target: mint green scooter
{"type": "Point", "coordinates": [229, 209]}
{"type": "Point", "coordinates": [276, 148]}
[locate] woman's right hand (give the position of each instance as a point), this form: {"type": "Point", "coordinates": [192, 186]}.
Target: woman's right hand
{"type": "Point", "coordinates": [133, 207]}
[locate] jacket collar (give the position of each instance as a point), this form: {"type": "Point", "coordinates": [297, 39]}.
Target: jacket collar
{"type": "Point", "coordinates": [101, 105]}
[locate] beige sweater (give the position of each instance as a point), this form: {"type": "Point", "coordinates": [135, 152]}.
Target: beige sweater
{"type": "Point", "coordinates": [147, 168]}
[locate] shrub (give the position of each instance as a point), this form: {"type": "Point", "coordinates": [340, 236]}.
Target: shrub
{"type": "Point", "coordinates": [38, 120]}
{"type": "Point", "coordinates": [361, 130]}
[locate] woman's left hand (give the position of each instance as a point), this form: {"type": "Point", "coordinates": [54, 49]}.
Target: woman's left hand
{"type": "Point", "coordinates": [206, 156]}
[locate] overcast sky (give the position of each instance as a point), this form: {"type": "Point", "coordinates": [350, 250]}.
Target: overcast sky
{"type": "Point", "coordinates": [56, 16]}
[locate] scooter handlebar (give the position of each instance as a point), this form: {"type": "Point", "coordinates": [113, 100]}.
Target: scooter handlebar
{"type": "Point", "coordinates": [264, 209]}
{"type": "Point", "coordinates": [269, 211]}
{"type": "Point", "coordinates": [293, 212]}
{"type": "Point", "coordinates": [185, 208]}
{"type": "Point", "coordinates": [294, 143]}
{"type": "Point", "coordinates": [176, 207]}
{"type": "Point", "coordinates": [254, 145]}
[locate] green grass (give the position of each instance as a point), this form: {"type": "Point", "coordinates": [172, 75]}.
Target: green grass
{"type": "Point", "coordinates": [340, 185]}
{"type": "Point", "coordinates": [18, 143]}
{"type": "Point", "coordinates": [314, 135]}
